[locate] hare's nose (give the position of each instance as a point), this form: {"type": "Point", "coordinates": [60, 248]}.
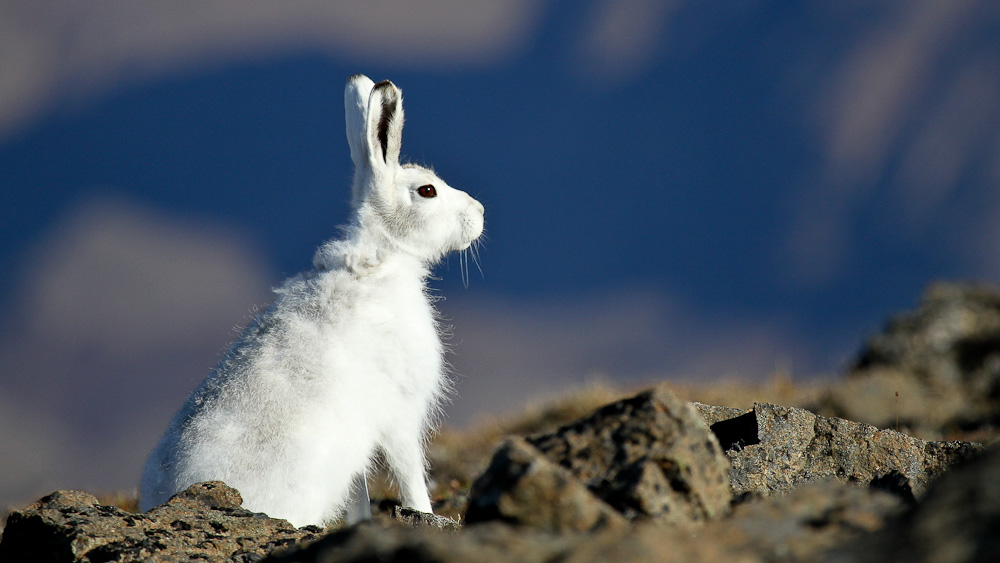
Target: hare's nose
{"type": "Point", "coordinates": [479, 206]}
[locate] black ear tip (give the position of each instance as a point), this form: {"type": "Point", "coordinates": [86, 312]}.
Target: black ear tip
{"type": "Point", "coordinates": [388, 90]}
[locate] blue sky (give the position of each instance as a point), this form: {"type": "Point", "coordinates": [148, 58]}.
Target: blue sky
{"type": "Point", "coordinates": [672, 190]}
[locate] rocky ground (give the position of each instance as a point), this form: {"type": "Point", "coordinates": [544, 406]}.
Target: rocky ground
{"type": "Point", "coordinates": [774, 472]}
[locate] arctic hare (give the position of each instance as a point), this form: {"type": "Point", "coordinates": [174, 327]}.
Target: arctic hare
{"type": "Point", "coordinates": [347, 362]}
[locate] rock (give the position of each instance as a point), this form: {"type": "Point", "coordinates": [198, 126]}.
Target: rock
{"type": "Point", "coordinates": [795, 527]}
{"type": "Point", "coordinates": [774, 449]}
{"type": "Point", "coordinates": [522, 486]}
{"type": "Point", "coordinates": [376, 541]}
{"type": "Point", "coordinates": [416, 519]}
{"type": "Point", "coordinates": [495, 541]}
{"type": "Point", "coordinates": [204, 522]}
{"type": "Point", "coordinates": [936, 369]}
{"type": "Point", "coordinates": [956, 521]}
{"type": "Point", "coordinates": [643, 479]}
{"type": "Point", "coordinates": [649, 456]}
{"type": "Point", "coordinates": [806, 522]}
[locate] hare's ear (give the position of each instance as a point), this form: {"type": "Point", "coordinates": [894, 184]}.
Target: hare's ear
{"type": "Point", "coordinates": [385, 125]}
{"type": "Point", "coordinates": [356, 94]}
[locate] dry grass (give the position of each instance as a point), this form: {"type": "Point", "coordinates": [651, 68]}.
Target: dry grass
{"type": "Point", "coordinates": [779, 389]}
{"type": "Point", "coordinates": [125, 501]}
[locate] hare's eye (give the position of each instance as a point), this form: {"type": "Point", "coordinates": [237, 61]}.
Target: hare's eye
{"type": "Point", "coordinates": [427, 191]}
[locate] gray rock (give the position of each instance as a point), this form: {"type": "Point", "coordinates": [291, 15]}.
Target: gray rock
{"type": "Point", "coordinates": [802, 524]}
{"type": "Point", "coordinates": [205, 522]}
{"type": "Point", "coordinates": [522, 486]}
{"type": "Point", "coordinates": [376, 541]}
{"type": "Point", "coordinates": [957, 521]}
{"type": "Point", "coordinates": [935, 370]}
{"type": "Point", "coordinates": [798, 526]}
{"type": "Point", "coordinates": [416, 519]}
{"type": "Point", "coordinates": [501, 542]}
{"type": "Point", "coordinates": [774, 449]}
{"type": "Point", "coordinates": [649, 456]}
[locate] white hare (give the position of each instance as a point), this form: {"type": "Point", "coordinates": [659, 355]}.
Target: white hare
{"type": "Point", "coordinates": [348, 360]}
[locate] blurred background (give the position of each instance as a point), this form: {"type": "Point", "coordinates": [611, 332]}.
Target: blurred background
{"type": "Point", "coordinates": [674, 190]}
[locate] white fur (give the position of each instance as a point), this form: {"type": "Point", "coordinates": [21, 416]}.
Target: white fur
{"type": "Point", "coordinates": [346, 363]}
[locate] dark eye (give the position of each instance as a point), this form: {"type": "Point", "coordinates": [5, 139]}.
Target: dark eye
{"type": "Point", "coordinates": [427, 191]}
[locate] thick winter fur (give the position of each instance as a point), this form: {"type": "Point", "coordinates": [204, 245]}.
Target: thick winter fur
{"type": "Point", "coordinates": [348, 360]}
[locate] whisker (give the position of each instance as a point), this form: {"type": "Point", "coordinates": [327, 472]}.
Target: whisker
{"type": "Point", "coordinates": [463, 262]}
{"type": "Point", "coordinates": [475, 259]}
{"type": "Point", "coordinates": [468, 271]}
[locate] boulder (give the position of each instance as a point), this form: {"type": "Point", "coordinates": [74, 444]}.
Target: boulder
{"type": "Point", "coordinates": [803, 524]}
{"type": "Point", "coordinates": [522, 486]}
{"type": "Point", "coordinates": [934, 371]}
{"type": "Point", "coordinates": [416, 519]}
{"type": "Point", "coordinates": [775, 448]}
{"type": "Point", "coordinates": [799, 526]}
{"type": "Point", "coordinates": [647, 457]}
{"type": "Point", "coordinates": [957, 521]}
{"type": "Point", "coordinates": [204, 522]}
{"type": "Point", "coordinates": [375, 541]}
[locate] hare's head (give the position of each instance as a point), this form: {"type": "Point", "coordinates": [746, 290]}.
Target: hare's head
{"type": "Point", "coordinates": [408, 207]}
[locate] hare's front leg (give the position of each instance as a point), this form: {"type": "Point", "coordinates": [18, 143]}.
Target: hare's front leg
{"type": "Point", "coordinates": [359, 506]}
{"type": "Point", "coordinates": [404, 453]}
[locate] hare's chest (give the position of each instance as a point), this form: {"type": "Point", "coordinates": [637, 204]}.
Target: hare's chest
{"type": "Point", "coordinates": [389, 336]}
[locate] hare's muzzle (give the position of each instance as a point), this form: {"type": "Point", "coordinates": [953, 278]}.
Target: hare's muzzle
{"type": "Point", "coordinates": [473, 220]}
